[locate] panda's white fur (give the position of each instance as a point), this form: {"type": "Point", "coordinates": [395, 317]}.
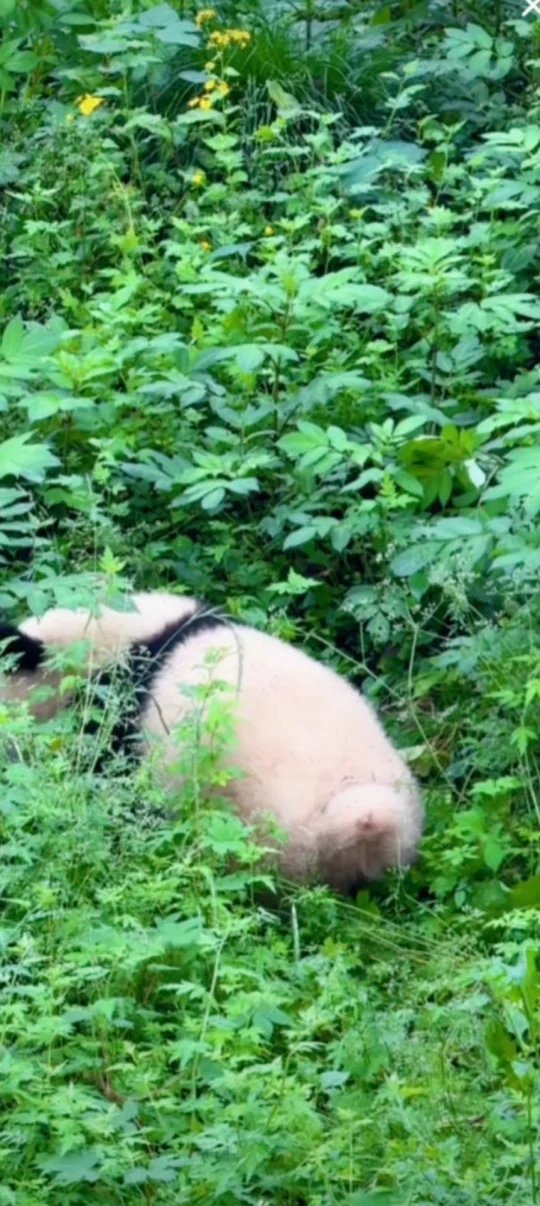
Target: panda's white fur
{"type": "Point", "coordinates": [312, 753]}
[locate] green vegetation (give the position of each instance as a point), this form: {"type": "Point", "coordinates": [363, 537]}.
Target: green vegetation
{"type": "Point", "coordinates": [269, 324]}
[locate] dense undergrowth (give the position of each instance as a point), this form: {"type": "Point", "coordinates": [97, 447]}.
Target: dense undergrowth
{"type": "Point", "coordinates": [270, 331]}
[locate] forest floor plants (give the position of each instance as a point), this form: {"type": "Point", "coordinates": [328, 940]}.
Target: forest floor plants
{"type": "Point", "coordinates": [268, 330]}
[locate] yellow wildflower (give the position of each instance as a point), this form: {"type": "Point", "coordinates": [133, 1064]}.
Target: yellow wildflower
{"type": "Point", "coordinates": [200, 102]}
{"type": "Point", "coordinates": [206, 246]}
{"type": "Point", "coordinates": [204, 16]}
{"type": "Point", "coordinates": [223, 88]}
{"type": "Point", "coordinates": [210, 85]}
{"type": "Point", "coordinates": [198, 179]}
{"type": "Point", "coordinates": [240, 36]}
{"type": "Point", "coordinates": [88, 104]}
{"type": "Point", "coordinates": [268, 230]}
{"type": "Point", "coordinates": [209, 66]}
{"type": "Point", "coordinates": [220, 39]}
{"type": "Point", "coordinates": [223, 37]}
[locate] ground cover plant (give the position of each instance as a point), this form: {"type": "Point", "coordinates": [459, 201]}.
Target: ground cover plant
{"type": "Point", "coordinates": [269, 328]}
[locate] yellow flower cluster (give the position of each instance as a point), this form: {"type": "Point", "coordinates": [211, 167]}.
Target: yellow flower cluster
{"type": "Point", "coordinates": [88, 104]}
{"type": "Point", "coordinates": [198, 179]}
{"type": "Point", "coordinates": [216, 88]}
{"type": "Point", "coordinates": [204, 16]}
{"type": "Point", "coordinates": [220, 86]}
{"type": "Point", "coordinates": [200, 102]}
{"type": "Point", "coordinates": [223, 38]}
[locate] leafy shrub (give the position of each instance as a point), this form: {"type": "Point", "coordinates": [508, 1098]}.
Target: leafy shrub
{"type": "Point", "coordinates": [268, 327]}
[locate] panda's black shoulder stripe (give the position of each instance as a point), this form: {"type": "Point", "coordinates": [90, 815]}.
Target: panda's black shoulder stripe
{"type": "Point", "coordinates": [148, 656]}
{"type": "Point", "coordinates": [26, 652]}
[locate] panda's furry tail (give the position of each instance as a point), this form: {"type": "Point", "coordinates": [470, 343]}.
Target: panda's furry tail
{"type": "Point", "coordinates": [367, 828]}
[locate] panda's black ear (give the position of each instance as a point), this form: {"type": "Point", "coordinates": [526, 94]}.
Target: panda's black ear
{"type": "Point", "coordinates": [27, 652]}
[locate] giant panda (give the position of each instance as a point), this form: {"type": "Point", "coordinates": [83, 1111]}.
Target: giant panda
{"type": "Point", "coordinates": [311, 753]}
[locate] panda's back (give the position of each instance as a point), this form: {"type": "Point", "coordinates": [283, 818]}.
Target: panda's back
{"type": "Point", "coordinates": [302, 732]}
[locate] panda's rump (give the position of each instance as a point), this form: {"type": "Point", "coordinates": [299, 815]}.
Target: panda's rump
{"type": "Point", "coordinates": [302, 733]}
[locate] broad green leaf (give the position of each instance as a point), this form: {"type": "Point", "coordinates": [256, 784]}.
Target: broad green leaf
{"type": "Point", "coordinates": [408, 483]}
{"type": "Point", "coordinates": [394, 153]}
{"type": "Point", "coordinates": [337, 439]}
{"type": "Point", "coordinates": [249, 357]}
{"type": "Point", "coordinates": [520, 479]}
{"type": "Point", "coordinates": [230, 249]}
{"type": "Point", "coordinates": [334, 1079]}
{"type": "Point", "coordinates": [405, 564]}
{"type": "Point", "coordinates": [22, 61]}
{"type": "Point", "coordinates": [181, 933]}
{"type": "Point", "coordinates": [285, 103]}
{"type": "Point", "coordinates": [103, 44]}
{"type": "Point", "coordinates": [74, 1168]}
{"type": "Point", "coordinates": [333, 291]}
{"type": "Point", "coordinates": [457, 527]}
{"type": "Point", "coordinates": [213, 500]}
{"type": "Point", "coordinates": [23, 346]}
{"type": "Point", "coordinates": [267, 1016]}
{"type": "Point", "coordinates": [19, 458]}
{"type": "Point", "coordinates": [405, 427]}
{"type": "Point", "coordinates": [12, 338]}
{"type": "Point", "coordinates": [525, 895]}
{"type": "Point", "coordinates": [499, 1042]}
{"type": "Point", "coordinates": [193, 117]}
{"type": "Point", "coordinates": [165, 23]}
{"type": "Point", "coordinates": [40, 406]}
{"type": "Point", "coordinates": [300, 536]}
